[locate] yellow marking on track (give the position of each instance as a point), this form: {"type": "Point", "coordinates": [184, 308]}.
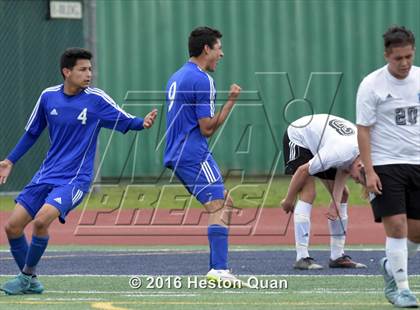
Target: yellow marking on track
{"type": "Point", "coordinates": [105, 306]}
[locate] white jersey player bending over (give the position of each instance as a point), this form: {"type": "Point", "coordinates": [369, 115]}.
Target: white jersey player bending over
{"type": "Point", "coordinates": [323, 146]}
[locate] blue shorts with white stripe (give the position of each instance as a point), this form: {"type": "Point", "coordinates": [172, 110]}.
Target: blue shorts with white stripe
{"type": "Point", "coordinates": [64, 197]}
{"type": "Point", "coordinates": [202, 180]}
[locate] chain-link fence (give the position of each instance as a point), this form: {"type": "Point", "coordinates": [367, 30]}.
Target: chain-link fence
{"type": "Point", "coordinates": [30, 46]}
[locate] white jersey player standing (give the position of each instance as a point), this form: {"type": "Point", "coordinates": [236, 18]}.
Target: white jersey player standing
{"type": "Point", "coordinates": [323, 146]}
{"type": "Point", "coordinates": [388, 119]}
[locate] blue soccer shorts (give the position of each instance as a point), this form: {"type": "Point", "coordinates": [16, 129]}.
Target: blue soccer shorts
{"type": "Point", "coordinates": [64, 197]}
{"type": "Point", "coordinates": [204, 180]}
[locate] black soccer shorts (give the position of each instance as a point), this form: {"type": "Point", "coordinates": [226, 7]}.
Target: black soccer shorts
{"type": "Point", "coordinates": [400, 191]}
{"type": "Point", "coordinates": [295, 156]}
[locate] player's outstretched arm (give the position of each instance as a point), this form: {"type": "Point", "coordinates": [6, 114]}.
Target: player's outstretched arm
{"type": "Point", "coordinates": [208, 125]}
{"type": "Point", "coordinates": [149, 119]}
{"type": "Point", "coordinates": [5, 169]}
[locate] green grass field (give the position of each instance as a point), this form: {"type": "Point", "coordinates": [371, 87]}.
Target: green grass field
{"type": "Point", "coordinates": [245, 195]}
{"type": "Point", "coordinates": [114, 293]}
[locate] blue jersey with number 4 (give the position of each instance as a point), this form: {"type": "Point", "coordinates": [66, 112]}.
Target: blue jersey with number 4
{"type": "Point", "coordinates": [73, 126]}
{"type": "Point", "coordinates": [190, 96]}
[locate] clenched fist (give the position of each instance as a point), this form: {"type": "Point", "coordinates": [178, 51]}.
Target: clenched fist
{"type": "Point", "coordinates": [234, 92]}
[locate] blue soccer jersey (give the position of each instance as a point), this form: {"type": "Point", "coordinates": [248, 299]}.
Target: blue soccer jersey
{"type": "Point", "coordinates": [74, 123]}
{"type": "Point", "coordinates": [191, 94]}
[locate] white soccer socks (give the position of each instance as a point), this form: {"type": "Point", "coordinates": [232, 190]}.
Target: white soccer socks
{"type": "Point", "coordinates": [338, 229]}
{"type": "Point", "coordinates": [396, 252]}
{"type": "Point", "coordinates": [302, 222]}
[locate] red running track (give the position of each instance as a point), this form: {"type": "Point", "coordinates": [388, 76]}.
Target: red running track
{"type": "Point", "coordinates": [253, 226]}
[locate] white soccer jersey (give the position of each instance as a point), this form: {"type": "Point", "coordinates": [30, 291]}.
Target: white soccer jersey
{"type": "Point", "coordinates": [392, 108]}
{"type": "Point", "coordinates": [331, 139]}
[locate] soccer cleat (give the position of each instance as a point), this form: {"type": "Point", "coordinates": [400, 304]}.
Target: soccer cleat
{"type": "Point", "coordinates": [405, 299]}
{"type": "Point", "coordinates": [224, 277]}
{"type": "Point", "coordinates": [35, 287]}
{"type": "Point", "coordinates": [391, 289]}
{"type": "Point", "coordinates": [307, 263]}
{"type": "Point", "coordinates": [18, 285]}
{"type": "Point", "coordinates": [345, 261]}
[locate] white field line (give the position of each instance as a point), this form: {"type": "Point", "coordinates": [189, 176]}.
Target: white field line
{"type": "Point", "coordinates": [162, 295]}
{"type": "Point", "coordinates": [110, 254]}
{"type": "Point", "coordinates": [64, 299]}
{"type": "Point", "coordinates": [131, 293]}
{"type": "Point", "coordinates": [202, 275]}
{"type": "Point", "coordinates": [213, 291]}
{"type": "Point", "coordinates": [113, 304]}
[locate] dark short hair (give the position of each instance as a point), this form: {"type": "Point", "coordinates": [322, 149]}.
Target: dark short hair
{"type": "Point", "coordinates": [200, 37]}
{"type": "Point", "coordinates": [397, 36]}
{"type": "Point", "coordinates": [71, 55]}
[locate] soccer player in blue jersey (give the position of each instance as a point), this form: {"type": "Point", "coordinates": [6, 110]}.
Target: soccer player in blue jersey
{"type": "Point", "coordinates": [191, 119]}
{"type": "Point", "coordinates": [74, 114]}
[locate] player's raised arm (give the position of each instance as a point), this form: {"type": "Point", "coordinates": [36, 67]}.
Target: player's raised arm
{"type": "Point", "coordinates": [209, 125]}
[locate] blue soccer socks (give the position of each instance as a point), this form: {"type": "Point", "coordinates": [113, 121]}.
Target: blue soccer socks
{"type": "Point", "coordinates": [218, 241]}
{"type": "Point", "coordinates": [19, 250]}
{"type": "Point", "coordinates": [35, 252]}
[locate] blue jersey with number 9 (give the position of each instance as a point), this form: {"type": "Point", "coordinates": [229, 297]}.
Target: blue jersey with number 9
{"type": "Point", "coordinates": [190, 96]}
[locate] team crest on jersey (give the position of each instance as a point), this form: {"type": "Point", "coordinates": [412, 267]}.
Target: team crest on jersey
{"type": "Point", "coordinates": [341, 127]}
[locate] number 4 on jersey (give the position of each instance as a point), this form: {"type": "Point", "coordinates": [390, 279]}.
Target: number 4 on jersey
{"type": "Point", "coordinates": [83, 116]}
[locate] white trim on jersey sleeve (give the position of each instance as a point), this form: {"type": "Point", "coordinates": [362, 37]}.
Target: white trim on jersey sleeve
{"type": "Point", "coordinates": [34, 113]}
{"type": "Point", "coordinates": [212, 94]}
{"type": "Point", "coordinates": [366, 104]}
{"type": "Point", "coordinates": [36, 108]}
{"type": "Point", "coordinates": [108, 99]}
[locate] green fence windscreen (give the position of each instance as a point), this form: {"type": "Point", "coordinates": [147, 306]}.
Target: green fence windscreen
{"type": "Point", "coordinates": [294, 57]}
